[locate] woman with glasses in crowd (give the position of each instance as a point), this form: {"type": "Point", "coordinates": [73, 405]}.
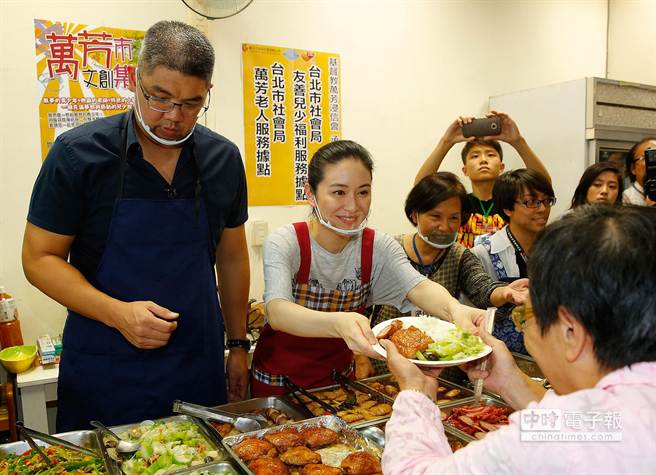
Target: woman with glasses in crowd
{"type": "Point", "coordinates": [636, 169]}
{"type": "Point", "coordinates": [434, 207]}
{"type": "Point", "coordinates": [600, 183]}
{"type": "Point", "coordinates": [524, 198]}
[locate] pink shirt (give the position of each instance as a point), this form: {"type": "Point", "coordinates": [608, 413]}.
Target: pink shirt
{"type": "Point", "coordinates": [416, 444]}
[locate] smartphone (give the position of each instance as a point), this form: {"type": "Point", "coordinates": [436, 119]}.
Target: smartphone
{"type": "Point", "coordinates": [482, 127]}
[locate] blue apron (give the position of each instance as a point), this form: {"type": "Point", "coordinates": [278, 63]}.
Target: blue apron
{"type": "Point", "coordinates": [158, 250]}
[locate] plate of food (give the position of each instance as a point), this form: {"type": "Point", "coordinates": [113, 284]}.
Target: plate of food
{"type": "Point", "coordinates": [429, 341]}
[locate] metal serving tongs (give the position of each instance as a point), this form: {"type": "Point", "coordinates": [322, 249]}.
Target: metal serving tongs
{"type": "Point", "coordinates": [371, 392]}
{"type": "Point", "coordinates": [30, 434]}
{"type": "Point", "coordinates": [241, 423]}
{"type": "Point", "coordinates": [351, 398]}
{"type": "Point", "coordinates": [478, 383]}
{"type": "Point", "coordinates": [294, 388]}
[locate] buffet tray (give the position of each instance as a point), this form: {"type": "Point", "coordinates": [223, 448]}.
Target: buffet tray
{"type": "Point", "coordinates": [84, 438]}
{"type": "Point", "coordinates": [349, 436]}
{"type": "Point", "coordinates": [211, 436]}
{"type": "Point", "coordinates": [361, 423]}
{"type": "Point", "coordinates": [219, 468]}
{"type": "Point", "coordinates": [485, 400]}
{"type": "Point", "coordinates": [387, 379]}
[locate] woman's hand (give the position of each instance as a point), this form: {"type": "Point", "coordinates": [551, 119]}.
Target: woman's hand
{"type": "Point", "coordinates": [407, 374]}
{"type": "Point", "coordinates": [515, 293]}
{"type": "Point", "coordinates": [467, 318]}
{"type": "Point", "coordinates": [354, 329]}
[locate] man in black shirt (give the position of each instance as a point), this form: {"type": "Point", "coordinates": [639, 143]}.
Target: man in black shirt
{"type": "Point", "coordinates": [482, 159]}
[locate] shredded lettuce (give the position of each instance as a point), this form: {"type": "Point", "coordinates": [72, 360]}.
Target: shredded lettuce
{"type": "Point", "coordinates": [459, 344]}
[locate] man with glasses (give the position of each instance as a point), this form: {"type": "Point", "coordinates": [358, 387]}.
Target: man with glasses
{"type": "Point", "coordinates": [524, 199]}
{"type": "Point", "coordinates": [129, 219]}
{"type": "Point", "coordinates": [636, 169]}
{"type": "Point", "coordinates": [593, 335]}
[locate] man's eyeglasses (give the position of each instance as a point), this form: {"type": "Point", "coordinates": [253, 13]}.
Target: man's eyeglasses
{"type": "Point", "coordinates": [520, 315]}
{"type": "Point", "coordinates": [159, 104]}
{"type": "Point", "coordinates": [547, 202]}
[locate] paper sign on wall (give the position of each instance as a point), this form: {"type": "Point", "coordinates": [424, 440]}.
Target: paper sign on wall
{"type": "Point", "coordinates": [82, 72]}
{"type": "Point", "coordinates": [291, 108]}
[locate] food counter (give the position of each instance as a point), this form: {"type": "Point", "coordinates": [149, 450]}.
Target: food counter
{"type": "Point", "coordinates": [295, 432]}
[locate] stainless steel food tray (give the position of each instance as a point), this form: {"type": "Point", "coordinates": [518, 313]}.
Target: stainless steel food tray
{"type": "Point", "coordinates": [348, 434]}
{"type": "Point", "coordinates": [281, 403]}
{"type": "Point", "coordinates": [386, 378]}
{"type": "Point", "coordinates": [84, 438]}
{"type": "Point", "coordinates": [485, 400]}
{"type": "Point", "coordinates": [220, 468]}
{"type": "Point", "coordinates": [357, 424]}
{"type": "Point", "coordinates": [211, 436]}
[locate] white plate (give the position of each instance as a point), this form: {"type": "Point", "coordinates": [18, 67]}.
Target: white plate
{"type": "Point", "coordinates": [435, 328]}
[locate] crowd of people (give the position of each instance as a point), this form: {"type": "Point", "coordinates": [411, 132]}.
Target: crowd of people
{"type": "Point", "coordinates": [132, 214]}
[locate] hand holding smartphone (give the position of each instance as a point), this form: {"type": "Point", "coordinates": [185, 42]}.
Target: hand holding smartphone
{"type": "Point", "coordinates": [482, 127]}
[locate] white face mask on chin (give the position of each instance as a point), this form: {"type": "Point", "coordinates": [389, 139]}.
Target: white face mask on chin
{"type": "Point", "coordinates": [343, 232]}
{"type": "Point", "coordinates": [439, 240]}
{"type": "Point", "coordinates": [146, 128]}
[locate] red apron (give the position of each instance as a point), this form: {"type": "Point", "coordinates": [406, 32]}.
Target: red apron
{"type": "Point", "coordinates": [309, 362]}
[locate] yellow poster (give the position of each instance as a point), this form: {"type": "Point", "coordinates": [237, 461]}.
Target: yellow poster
{"type": "Point", "coordinates": [82, 73]}
{"type": "Point", "coordinates": [291, 108]}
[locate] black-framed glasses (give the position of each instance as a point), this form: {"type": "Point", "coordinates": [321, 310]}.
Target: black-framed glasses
{"type": "Point", "coordinates": [547, 202]}
{"type": "Point", "coordinates": [159, 104]}
{"type": "Point", "coordinates": [520, 315]}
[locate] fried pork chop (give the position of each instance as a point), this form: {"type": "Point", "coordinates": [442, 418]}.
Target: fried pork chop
{"type": "Point", "coordinates": [285, 439]}
{"type": "Point", "coordinates": [300, 456]}
{"type": "Point", "coordinates": [361, 463]}
{"type": "Point", "coordinates": [320, 469]}
{"type": "Point", "coordinates": [250, 449]}
{"type": "Point", "coordinates": [410, 340]}
{"type": "Point", "coordinates": [319, 436]}
{"type": "Point", "coordinates": [268, 466]}
{"type": "Point", "coordinates": [390, 329]}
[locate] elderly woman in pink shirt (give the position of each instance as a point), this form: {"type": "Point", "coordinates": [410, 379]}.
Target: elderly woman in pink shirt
{"type": "Point", "coordinates": [592, 331]}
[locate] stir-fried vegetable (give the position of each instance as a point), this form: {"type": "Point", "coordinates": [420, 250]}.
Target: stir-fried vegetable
{"type": "Point", "coordinates": [166, 446]}
{"type": "Point", "coordinates": [66, 461]}
{"type": "Point", "coordinates": [459, 344]}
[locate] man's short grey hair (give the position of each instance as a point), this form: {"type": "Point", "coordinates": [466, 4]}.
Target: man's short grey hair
{"type": "Point", "coordinates": [177, 46]}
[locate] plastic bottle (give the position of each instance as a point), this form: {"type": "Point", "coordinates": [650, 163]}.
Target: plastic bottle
{"type": "Point", "coordinates": [10, 330]}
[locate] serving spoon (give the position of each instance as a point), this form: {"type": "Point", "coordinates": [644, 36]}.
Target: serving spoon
{"type": "Point", "coordinates": [122, 446]}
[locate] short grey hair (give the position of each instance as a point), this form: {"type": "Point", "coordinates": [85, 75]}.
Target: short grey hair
{"type": "Point", "coordinates": [177, 46]}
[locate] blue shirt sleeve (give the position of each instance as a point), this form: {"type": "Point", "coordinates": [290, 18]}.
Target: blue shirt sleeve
{"type": "Point", "coordinates": [57, 198]}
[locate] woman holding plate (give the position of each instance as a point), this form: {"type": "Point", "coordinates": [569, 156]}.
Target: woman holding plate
{"type": "Point", "coordinates": [320, 275]}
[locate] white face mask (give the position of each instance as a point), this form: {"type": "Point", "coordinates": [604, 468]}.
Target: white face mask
{"type": "Point", "coordinates": [344, 232]}
{"type": "Point", "coordinates": [149, 132]}
{"type": "Point", "coordinates": [439, 240]}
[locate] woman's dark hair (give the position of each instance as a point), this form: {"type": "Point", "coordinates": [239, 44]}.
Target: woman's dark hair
{"type": "Point", "coordinates": [431, 191]}
{"type": "Point", "coordinates": [509, 186]}
{"type": "Point", "coordinates": [489, 143]}
{"type": "Point", "coordinates": [335, 152]}
{"type": "Point", "coordinates": [630, 156]}
{"type": "Point", "coordinates": [605, 279]}
{"type": "Point", "coordinates": [589, 176]}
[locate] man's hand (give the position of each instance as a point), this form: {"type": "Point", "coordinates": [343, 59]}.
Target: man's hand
{"type": "Point", "coordinates": [453, 133]}
{"type": "Point", "coordinates": [509, 130]}
{"type": "Point", "coordinates": [237, 374]}
{"type": "Point", "coordinates": [407, 374]}
{"type": "Point", "coordinates": [145, 325]}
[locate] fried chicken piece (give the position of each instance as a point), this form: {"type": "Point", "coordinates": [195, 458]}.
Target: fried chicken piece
{"type": "Point", "coordinates": [381, 409]}
{"type": "Point", "coordinates": [251, 449]}
{"type": "Point", "coordinates": [367, 404]}
{"type": "Point", "coordinates": [319, 436]}
{"type": "Point", "coordinates": [350, 416]}
{"type": "Point", "coordinates": [391, 390]}
{"type": "Point", "coordinates": [300, 456]}
{"type": "Point", "coordinates": [411, 340]}
{"type": "Point", "coordinates": [390, 330]}
{"type": "Point", "coordinates": [285, 439]}
{"type": "Point", "coordinates": [320, 469]}
{"type": "Point", "coordinates": [361, 463]}
{"type": "Point", "coordinates": [361, 397]}
{"type": "Point", "coordinates": [268, 466]}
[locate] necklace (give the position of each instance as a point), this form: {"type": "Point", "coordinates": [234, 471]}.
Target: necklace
{"type": "Point", "coordinates": [486, 213]}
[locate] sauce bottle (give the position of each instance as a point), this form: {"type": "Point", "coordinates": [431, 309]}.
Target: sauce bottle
{"type": "Point", "coordinates": [10, 330]}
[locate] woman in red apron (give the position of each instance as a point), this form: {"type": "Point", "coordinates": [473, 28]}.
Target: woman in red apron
{"type": "Point", "coordinates": [321, 274]}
